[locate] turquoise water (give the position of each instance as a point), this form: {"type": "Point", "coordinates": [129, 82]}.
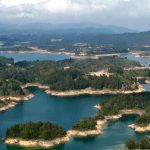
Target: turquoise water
{"type": "Point", "coordinates": [65, 112]}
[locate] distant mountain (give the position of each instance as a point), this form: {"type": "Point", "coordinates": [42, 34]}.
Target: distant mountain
{"type": "Point", "coordinates": [83, 27]}
{"type": "Point", "coordinates": [117, 29]}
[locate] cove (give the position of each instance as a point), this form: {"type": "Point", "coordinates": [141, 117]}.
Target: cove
{"type": "Point", "coordinates": [65, 112]}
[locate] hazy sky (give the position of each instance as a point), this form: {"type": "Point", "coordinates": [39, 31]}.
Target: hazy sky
{"type": "Point", "coordinates": [134, 14]}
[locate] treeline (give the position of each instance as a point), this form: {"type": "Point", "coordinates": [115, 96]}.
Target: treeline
{"type": "Point", "coordinates": [10, 87]}
{"type": "Point", "coordinates": [53, 73]}
{"type": "Point", "coordinates": [140, 73]}
{"type": "Point", "coordinates": [74, 80]}
{"type": "Point", "coordinates": [40, 130]}
{"type": "Point", "coordinates": [4, 61]}
{"type": "Point", "coordinates": [85, 124]}
{"type": "Point", "coordinates": [143, 144]}
{"type": "Point", "coordinates": [112, 105]}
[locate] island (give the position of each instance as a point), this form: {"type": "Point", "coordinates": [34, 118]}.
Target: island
{"type": "Point", "coordinates": [43, 134]}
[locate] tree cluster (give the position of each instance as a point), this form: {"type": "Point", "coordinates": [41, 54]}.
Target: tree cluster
{"type": "Point", "coordinates": [40, 130]}
{"type": "Point", "coordinates": [85, 124]}
{"type": "Point", "coordinates": [143, 144]}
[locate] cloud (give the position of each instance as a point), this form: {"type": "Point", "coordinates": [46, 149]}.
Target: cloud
{"type": "Point", "coordinates": [103, 11]}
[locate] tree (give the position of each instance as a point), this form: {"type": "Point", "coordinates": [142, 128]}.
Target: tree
{"type": "Point", "coordinates": [144, 142]}
{"type": "Point", "coordinates": [130, 143]}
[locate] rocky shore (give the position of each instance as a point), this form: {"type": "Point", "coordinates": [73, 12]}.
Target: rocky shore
{"type": "Point", "coordinates": [15, 100]}
{"type": "Point", "coordinates": [139, 129]}
{"type": "Point", "coordinates": [34, 143]}
{"type": "Point", "coordinates": [10, 105]}
{"type": "Point", "coordinates": [82, 91]}
{"type": "Point", "coordinates": [100, 123]}
{"type": "Point", "coordinates": [45, 87]}
{"type": "Point", "coordinates": [147, 81]}
{"type": "Point", "coordinates": [76, 133]}
{"type": "Point", "coordinates": [50, 143]}
{"type": "Point", "coordinates": [93, 92]}
{"type": "Point", "coordinates": [97, 106]}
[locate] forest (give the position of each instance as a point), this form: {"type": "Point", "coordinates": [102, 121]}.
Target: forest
{"type": "Point", "coordinates": [75, 80]}
{"type": "Point", "coordinates": [85, 124]}
{"type": "Point", "coordinates": [112, 105]}
{"type": "Point", "coordinates": [14, 75]}
{"type": "Point", "coordinates": [39, 130]}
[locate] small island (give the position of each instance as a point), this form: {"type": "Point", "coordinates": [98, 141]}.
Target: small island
{"type": "Point", "coordinates": [85, 127]}
{"type": "Point", "coordinates": [43, 134]}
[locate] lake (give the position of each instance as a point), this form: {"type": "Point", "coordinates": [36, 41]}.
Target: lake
{"type": "Point", "coordinates": [37, 56]}
{"type": "Point", "coordinates": [66, 112]}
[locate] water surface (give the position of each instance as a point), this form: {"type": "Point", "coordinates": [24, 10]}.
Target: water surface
{"type": "Point", "coordinates": [143, 61]}
{"type": "Point", "coordinates": [65, 112]}
{"type": "Point", "coordinates": [35, 56]}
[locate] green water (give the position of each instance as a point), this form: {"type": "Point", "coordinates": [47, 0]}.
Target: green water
{"type": "Point", "coordinates": [65, 112]}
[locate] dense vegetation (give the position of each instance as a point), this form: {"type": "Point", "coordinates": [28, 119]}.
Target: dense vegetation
{"type": "Point", "coordinates": [10, 87]}
{"type": "Point", "coordinates": [112, 105]}
{"type": "Point", "coordinates": [12, 75]}
{"type": "Point", "coordinates": [74, 80]}
{"type": "Point", "coordinates": [85, 124]}
{"type": "Point", "coordinates": [140, 73]}
{"type": "Point", "coordinates": [143, 144]}
{"type": "Point", "coordinates": [40, 130]}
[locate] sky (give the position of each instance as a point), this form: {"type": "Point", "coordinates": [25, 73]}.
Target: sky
{"type": "Point", "coordinates": [133, 14]}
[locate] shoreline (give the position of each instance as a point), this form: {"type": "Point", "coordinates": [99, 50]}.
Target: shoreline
{"type": "Point", "coordinates": [142, 56]}
{"type": "Point", "coordinates": [35, 143]}
{"type": "Point", "coordinates": [101, 123]}
{"type": "Point", "coordinates": [89, 90]}
{"type": "Point", "coordinates": [139, 128]}
{"type": "Point", "coordinates": [72, 55]}
{"type": "Point", "coordinates": [70, 133]}
{"type": "Point", "coordinates": [147, 81]}
{"type": "Point", "coordinates": [13, 104]}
